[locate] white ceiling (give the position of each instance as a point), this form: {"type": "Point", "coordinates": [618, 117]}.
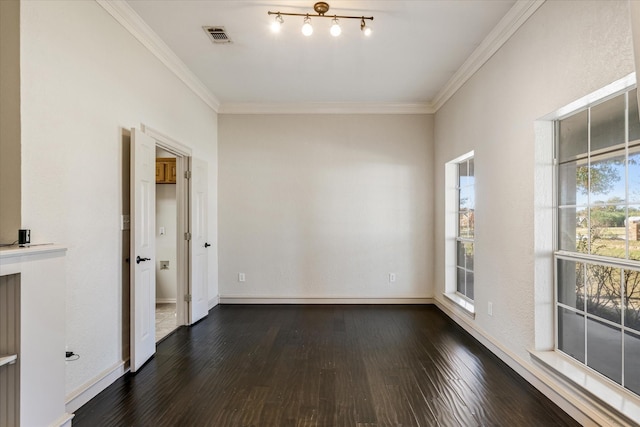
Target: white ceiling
{"type": "Point", "coordinates": [415, 50]}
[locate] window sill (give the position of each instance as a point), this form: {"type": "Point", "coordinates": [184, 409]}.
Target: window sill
{"type": "Point", "coordinates": [466, 306]}
{"type": "Point", "coordinates": [620, 402]}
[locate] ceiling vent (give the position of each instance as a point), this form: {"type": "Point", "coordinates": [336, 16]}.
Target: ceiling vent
{"type": "Point", "coordinates": [217, 35]}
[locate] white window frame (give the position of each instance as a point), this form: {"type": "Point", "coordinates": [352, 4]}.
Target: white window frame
{"type": "Point", "coordinates": [452, 205]}
{"type": "Point", "coordinates": [558, 254]}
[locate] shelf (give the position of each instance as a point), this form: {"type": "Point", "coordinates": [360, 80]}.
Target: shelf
{"type": "Point", "coordinates": [8, 359]}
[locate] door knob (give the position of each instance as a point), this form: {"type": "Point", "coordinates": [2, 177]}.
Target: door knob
{"type": "Point", "coordinates": [206, 245]}
{"type": "Point", "coordinates": [139, 260]}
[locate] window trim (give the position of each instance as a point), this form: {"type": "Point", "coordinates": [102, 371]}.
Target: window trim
{"type": "Point", "coordinates": [451, 235]}
{"type": "Point", "coordinates": [623, 86]}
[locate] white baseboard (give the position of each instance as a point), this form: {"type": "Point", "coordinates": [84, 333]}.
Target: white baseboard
{"type": "Point", "coordinates": [214, 301]}
{"type": "Point", "coordinates": [569, 400]}
{"type": "Point", "coordinates": [90, 389]}
{"type": "Point", "coordinates": [165, 300]}
{"type": "Point", "coordinates": [63, 421]}
{"type": "Point", "coordinates": [321, 300]}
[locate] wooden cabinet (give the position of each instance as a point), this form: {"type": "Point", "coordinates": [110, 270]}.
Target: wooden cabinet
{"type": "Point", "coordinates": [165, 170]}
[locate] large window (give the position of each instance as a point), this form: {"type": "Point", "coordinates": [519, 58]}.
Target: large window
{"type": "Point", "coordinates": [466, 227]}
{"type": "Point", "coordinates": [598, 238]}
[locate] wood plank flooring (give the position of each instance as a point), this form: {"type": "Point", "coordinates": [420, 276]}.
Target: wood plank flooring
{"type": "Point", "coordinates": [322, 365]}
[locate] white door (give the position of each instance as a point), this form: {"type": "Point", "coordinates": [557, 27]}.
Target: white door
{"type": "Point", "coordinates": [143, 243]}
{"type": "Point", "coordinates": [198, 286]}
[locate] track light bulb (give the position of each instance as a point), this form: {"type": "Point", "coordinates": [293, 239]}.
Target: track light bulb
{"type": "Point", "coordinates": [366, 30]}
{"type": "Point", "coordinates": [307, 29]}
{"type": "Point", "coordinates": [276, 25]}
{"type": "Point", "coordinates": [335, 28]}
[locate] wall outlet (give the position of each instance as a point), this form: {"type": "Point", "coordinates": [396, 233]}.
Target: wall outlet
{"type": "Point", "coordinates": [241, 277]}
{"type": "Point", "coordinates": [490, 308]}
{"type": "Point", "coordinates": [392, 277]}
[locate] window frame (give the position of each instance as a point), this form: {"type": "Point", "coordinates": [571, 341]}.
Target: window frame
{"type": "Point", "coordinates": [622, 264]}
{"type": "Point", "coordinates": [462, 267]}
{"type": "Point", "coordinates": [451, 218]}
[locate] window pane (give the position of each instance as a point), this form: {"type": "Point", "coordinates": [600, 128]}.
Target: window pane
{"type": "Point", "coordinates": [607, 123]}
{"type": "Point", "coordinates": [465, 224]}
{"type": "Point", "coordinates": [469, 276]}
{"type": "Point", "coordinates": [633, 230]}
{"type": "Point", "coordinates": [634, 175]}
{"type": "Point", "coordinates": [573, 180]}
{"type": "Point", "coordinates": [632, 362]}
{"type": "Point", "coordinates": [604, 349]}
{"type": "Point", "coordinates": [460, 280]}
{"type": "Point", "coordinates": [472, 171]}
{"type": "Point", "coordinates": [460, 251]}
{"type": "Point", "coordinates": [571, 333]}
{"type": "Point", "coordinates": [466, 198]}
{"type": "Point", "coordinates": [607, 231]}
{"type": "Point", "coordinates": [632, 300]}
{"type": "Point", "coordinates": [573, 232]}
{"type": "Point", "coordinates": [603, 292]}
{"type": "Point", "coordinates": [634, 118]}
{"type": "Point", "coordinates": [607, 179]}
{"type": "Point", "coordinates": [571, 283]}
{"type": "Point", "coordinates": [573, 136]}
{"type": "Point", "coordinates": [468, 252]}
{"type": "Point", "coordinates": [462, 173]}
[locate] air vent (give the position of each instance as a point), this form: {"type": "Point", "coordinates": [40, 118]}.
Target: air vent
{"type": "Point", "coordinates": [217, 35]}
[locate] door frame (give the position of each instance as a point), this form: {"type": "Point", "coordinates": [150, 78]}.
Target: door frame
{"type": "Point", "coordinates": [183, 154]}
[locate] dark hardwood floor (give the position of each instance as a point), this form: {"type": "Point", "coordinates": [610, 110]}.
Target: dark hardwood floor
{"type": "Point", "coordinates": [326, 365]}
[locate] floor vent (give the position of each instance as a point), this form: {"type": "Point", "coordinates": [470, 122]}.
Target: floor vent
{"type": "Point", "coordinates": [217, 35]}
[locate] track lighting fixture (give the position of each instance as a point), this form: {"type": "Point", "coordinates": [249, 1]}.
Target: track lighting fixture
{"type": "Point", "coordinates": [307, 28]}
{"type": "Point", "coordinates": [321, 8]}
{"type": "Point", "coordinates": [276, 25]}
{"type": "Point", "coordinates": [366, 30]}
{"type": "Point", "coordinates": [335, 28]}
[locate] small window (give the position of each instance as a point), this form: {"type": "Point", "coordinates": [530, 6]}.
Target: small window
{"type": "Point", "coordinates": [465, 228]}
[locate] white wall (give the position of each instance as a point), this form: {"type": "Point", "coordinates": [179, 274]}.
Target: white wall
{"type": "Point", "coordinates": [9, 120]}
{"type": "Point", "coordinates": [166, 246]}
{"type": "Point", "coordinates": [84, 79]}
{"type": "Point", "coordinates": [566, 50]}
{"type": "Point", "coordinates": [326, 206]}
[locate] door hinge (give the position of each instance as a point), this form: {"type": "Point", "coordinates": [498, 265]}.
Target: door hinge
{"type": "Point", "coordinates": [187, 298]}
{"type": "Point", "coordinates": [187, 236]}
{"type": "Point", "coordinates": [187, 174]}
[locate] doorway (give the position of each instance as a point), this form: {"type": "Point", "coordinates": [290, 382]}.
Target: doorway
{"type": "Point", "coordinates": [166, 244]}
{"type": "Point", "coordinates": [190, 239]}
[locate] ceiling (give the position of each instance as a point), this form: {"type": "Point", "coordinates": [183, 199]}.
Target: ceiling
{"type": "Point", "coordinates": [414, 52]}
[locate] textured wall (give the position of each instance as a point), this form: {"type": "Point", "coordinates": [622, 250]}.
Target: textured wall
{"type": "Point", "coordinates": [566, 50]}
{"type": "Point", "coordinates": [326, 206]}
{"type": "Point", "coordinates": [84, 79]}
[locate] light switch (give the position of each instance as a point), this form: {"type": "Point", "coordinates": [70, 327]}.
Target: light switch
{"type": "Point", "coordinates": [162, 231]}
{"type": "Point", "coordinates": [164, 265]}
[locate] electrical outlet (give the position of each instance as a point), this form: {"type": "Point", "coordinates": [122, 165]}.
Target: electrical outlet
{"type": "Point", "coordinates": [490, 309]}
{"type": "Point", "coordinates": [241, 277]}
{"type": "Point", "coordinates": [392, 277]}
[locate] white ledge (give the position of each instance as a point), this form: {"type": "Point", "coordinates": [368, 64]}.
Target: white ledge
{"type": "Point", "coordinates": [41, 248]}
{"type": "Point", "coordinates": [467, 307]}
{"type": "Point", "coordinates": [619, 404]}
{"type": "Point", "coordinates": [8, 359]}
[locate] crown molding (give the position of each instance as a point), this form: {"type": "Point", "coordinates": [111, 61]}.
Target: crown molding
{"type": "Point", "coordinates": [327, 108]}
{"type": "Point", "coordinates": [130, 20]}
{"type": "Point", "coordinates": [508, 25]}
